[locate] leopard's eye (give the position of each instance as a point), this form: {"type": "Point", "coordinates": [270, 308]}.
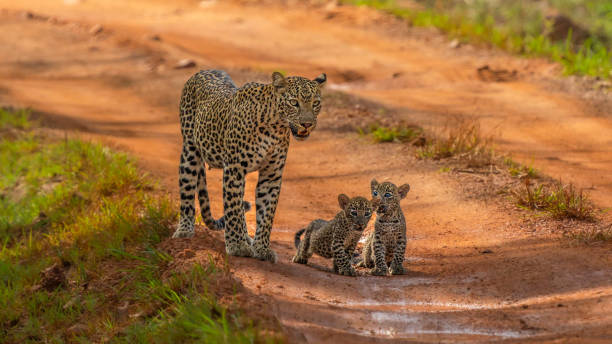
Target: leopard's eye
{"type": "Point", "coordinates": [294, 102]}
{"type": "Point", "coordinates": [354, 212]}
{"type": "Point", "coordinates": [316, 103]}
{"type": "Point", "coordinates": [388, 195]}
{"type": "Point", "coordinates": [375, 193]}
{"type": "Point", "coordinates": [367, 214]}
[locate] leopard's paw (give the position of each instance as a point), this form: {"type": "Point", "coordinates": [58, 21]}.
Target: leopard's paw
{"type": "Point", "coordinates": [378, 272]}
{"type": "Point", "coordinates": [349, 271]}
{"type": "Point", "coordinates": [299, 260]}
{"type": "Point", "coordinates": [183, 232]}
{"type": "Point", "coordinates": [264, 253]}
{"type": "Point", "coordinates": [396, 269]}
{"type": "Point", "coordinates": [239, 249]}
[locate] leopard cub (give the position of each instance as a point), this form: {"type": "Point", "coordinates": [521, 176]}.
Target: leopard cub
{"type": "Point", "coordinates": [337, 238]}
{"type": "Point", "coordinates": [387, 243]}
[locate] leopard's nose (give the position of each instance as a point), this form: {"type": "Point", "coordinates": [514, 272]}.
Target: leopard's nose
{"type": "Point", "coordinates": [306, 125]}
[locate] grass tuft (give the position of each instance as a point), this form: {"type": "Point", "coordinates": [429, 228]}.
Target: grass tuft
{"type": "Point", "coordinates": [400, 133]}
{"type": "Point", "coordinates": [463, 141]}
{"type": "Point", "coordinates": [561, 201]}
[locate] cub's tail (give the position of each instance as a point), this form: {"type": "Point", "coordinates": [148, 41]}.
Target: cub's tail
{"type": "Point", "coordinates": [298, 236]}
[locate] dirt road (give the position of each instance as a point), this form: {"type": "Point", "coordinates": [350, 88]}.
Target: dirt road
{"type": "Point", "coordinates": [104, 69]}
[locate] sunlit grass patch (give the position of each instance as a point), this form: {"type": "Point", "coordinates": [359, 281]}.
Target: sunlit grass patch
{"type": "Point", "coordinates": [463, 140]}
{"type": "Point", "coordinates": [399, 133]}
{"type": "Point", "coordinates": [18, 119]}
{"type": "Point", "coordinates": [559, 200]}
{"type": "Point", "coordinates": [79, 227]}
{"type": "Point", "coordinates": [519, 27]}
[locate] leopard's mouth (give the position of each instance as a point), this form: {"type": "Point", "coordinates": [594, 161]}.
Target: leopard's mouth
{"type": "Point", "coordinates": [300, 134]}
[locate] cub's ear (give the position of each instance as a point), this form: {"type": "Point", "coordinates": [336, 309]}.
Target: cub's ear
{"type": "Point", "coordinates": [321, 79]}
{"type": "Point", "coordinates": [373, 184]}
{"type": "Point", "coordinates": [403, 190]}
{"type": "Point", "coordinates": [279, 82]}
{"type": "Point", "coordinates": [343, 201]}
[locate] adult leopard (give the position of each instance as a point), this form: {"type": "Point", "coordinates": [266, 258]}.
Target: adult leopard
{"type": "Point", "coordinates": [241, 130]}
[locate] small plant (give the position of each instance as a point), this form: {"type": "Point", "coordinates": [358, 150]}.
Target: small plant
{"type": "Point", "coordinates": [400, 133]}
{"type": "Point", "coordinates": [517, 170]}
{"type": "Point", "coordinates": [561, 201]}
{"type": "Point", "coordinates": [18, 119]}
{"type": "Point", "coordinates": [600, 233]}
{"type": "Point", "coordinates": [463, 141]}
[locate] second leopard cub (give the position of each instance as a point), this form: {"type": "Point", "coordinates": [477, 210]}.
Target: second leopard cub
{"type": "Point", "coordinates": [337, 238]}
{"type": "Point", "coordinates": [387, 242]}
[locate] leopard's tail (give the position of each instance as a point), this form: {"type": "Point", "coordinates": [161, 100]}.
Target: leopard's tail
{"type": "Point", "coordinates": [298, 235]}
{"type": "Point", "coordinates": [220, 223]}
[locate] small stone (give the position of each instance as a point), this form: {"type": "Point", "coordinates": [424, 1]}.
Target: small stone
{"type": "Point", "coordinates": [454, 44]}
{"type": "Point", "coordinates": [96, 29]}
{"type": "Point", "coordinates": [76, 329]}
{"type": "Point", "coordinates": [487, 251]}
{"type": "Point", "coordinates": [70, 303]}
{"type": "Point", "coordinates": [185, 63]}
{"type": "Point", "coordinates": [155, 38]}
{"type": "Point", "coordinates": [28, 15]}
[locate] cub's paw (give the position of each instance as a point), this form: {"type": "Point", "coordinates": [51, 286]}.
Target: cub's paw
{"type": "Point", "coordinates": [264, 253]}
{"type": "Point", "coordinates": [350, 271]}
{"type": "Point", "coordinates": [396, 269]}
{"type": "Point", "coordinates": [378, 272]}
{"type": "Point", "coordinates": [299, 260]}
{"type": "Point", "coordinates": [183, 233]}
{"type": "Point", "coordinates": [239, 249]}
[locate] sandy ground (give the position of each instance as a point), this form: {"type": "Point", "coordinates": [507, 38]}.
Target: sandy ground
{"type": "Point", "coordinates": [116, 83]}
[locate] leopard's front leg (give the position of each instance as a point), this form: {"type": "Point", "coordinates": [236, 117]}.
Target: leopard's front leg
{"type": "Point", "coordinates": [396, 267]}
{"type": "Point", "coordinates": [342, 263]}
{"type": "Point", "coordinates": [236, 241]}
{"type": "Point", "coordinates": [267, 192]}
{"type": "Point", "coordinates": [380, 265]}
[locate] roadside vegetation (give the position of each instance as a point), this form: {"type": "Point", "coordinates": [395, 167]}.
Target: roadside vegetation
{"type": "Point", "coordinates": [79, 231]}
{"type": "Point", "coordinates": [575, 33]}
{"type": "Point", "coordinates": [462, 147]}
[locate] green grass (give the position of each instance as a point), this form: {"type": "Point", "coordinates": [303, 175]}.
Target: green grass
{"type": "Point", "coordinates": [464, 141]}
{"type": "Point", "coordinates": [559, 200]}
{"type": "Point", "coordinates": [519, 27]}
{"type": "Point", "coordinates": [400, 133]}
{"type": "Point", "coordinates": [517, 170]}
{"type": "Point", "coordinates": [91, 213]}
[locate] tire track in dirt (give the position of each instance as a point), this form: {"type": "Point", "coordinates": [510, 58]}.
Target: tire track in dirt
{"type": "Point", "coordinates": [452, 292]}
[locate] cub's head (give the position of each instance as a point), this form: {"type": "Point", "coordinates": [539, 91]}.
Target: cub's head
{"type": "Point", "coordinates": [388, 195]}
{"type": "Point", "coordinates": [358, 210]}
{"type": "Point", "coordinates": [299, 102]}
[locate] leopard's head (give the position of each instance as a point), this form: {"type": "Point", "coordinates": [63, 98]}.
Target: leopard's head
{"type": "Point", "coordinates": [357, 210]}
{"type": "Point", "coordinates": [299, 102]}
{"type": "Point", "coordinates": [389, 196]}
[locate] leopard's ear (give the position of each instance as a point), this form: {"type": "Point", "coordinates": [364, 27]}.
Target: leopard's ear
{"type": "Point", "coordinates": [403, 190]}
{"type": "Point", "coordinates": [321, 80]}
{"type": "Point", "coordinates": [373, 184]}
{"type": "Point", "coordinates": [279, 82]}
{"type": "Point", "coordinates": [343, 201]}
